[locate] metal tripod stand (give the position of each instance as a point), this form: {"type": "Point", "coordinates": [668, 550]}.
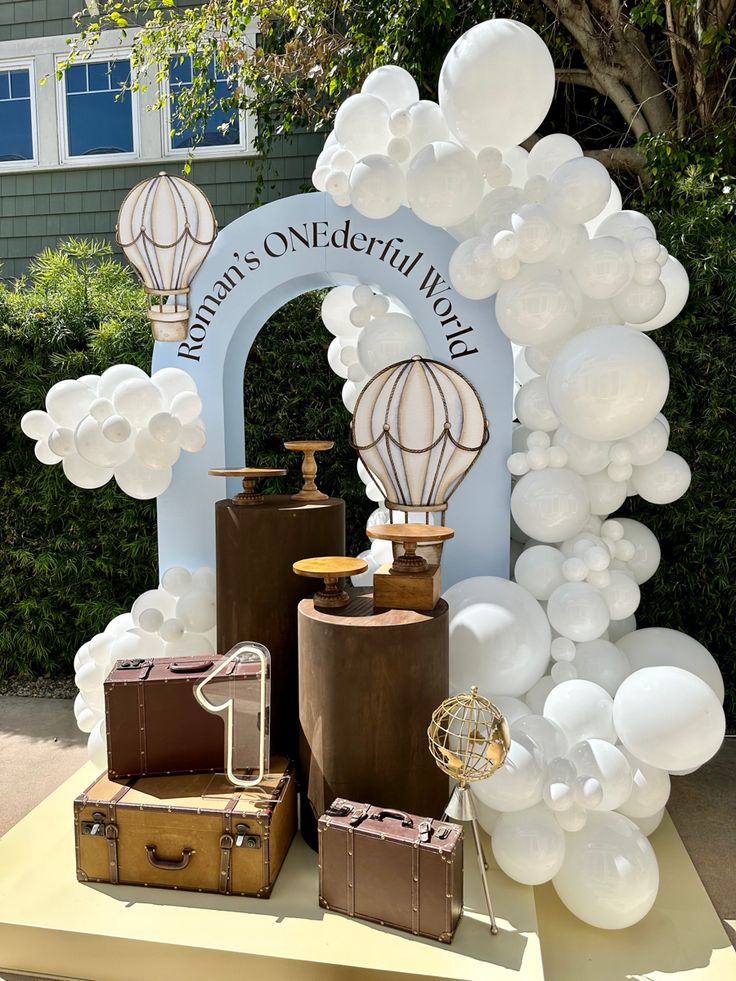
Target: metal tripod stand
{"type": "Point", "coordinates": [461, 808]}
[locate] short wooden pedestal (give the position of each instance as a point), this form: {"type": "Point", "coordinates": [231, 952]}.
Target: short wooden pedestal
{"type": "Point", "coordinates": [258, 593]}
{"type": "Point", "coordinates": [369, 680]}
{"type": "Point", "coordinates": [407, 590]}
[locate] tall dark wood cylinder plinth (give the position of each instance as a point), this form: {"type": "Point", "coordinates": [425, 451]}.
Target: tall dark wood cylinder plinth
{"type": "Point", "coordinates": [258, 593]}
{"type": "Point", "coordinates": [369, 680]}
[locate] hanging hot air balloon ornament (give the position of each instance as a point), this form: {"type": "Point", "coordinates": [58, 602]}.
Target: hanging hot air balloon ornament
{"type": "Point", "coordinates": [166, 227]}
{"type": "Point", "coordinates": [419, 426]}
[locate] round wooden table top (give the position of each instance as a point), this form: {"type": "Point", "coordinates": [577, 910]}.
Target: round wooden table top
{"type": "Point", "coordinates": [315, 445]}
{"type": "Point", "coordinates": [248, 472]}
{"type": "Point", "coordinates": [334, 566]}
{"type": "Point", "coordinates": [410, 532]}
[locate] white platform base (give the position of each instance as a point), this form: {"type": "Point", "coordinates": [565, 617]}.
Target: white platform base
{"type": "Point", "coordinates": [52, 925]}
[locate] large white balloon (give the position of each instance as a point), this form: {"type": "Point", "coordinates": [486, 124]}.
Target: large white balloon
{"type": "Point", "coordinates": [602, 267]}
{"type": "Point", "coordinates": [444, 184]}
{"type": "Point", "coordinates": [582, 709]}
{"type": "Point", "coordinates": [609, 877]}
{"type": "Point", "coordinates": [663, 481]}
{"type": "Point", "coordinates": [68, 401]}
{"type": "Point", "coordinates": [584, 456]}
{"type": "Point", "coordinates": [393, 84]}
{"type": "Point", "coordinates": [82, 473]}
{"type": "Point", "coordinates": [470, 274]}
{"type": "Point", "coordinates": [426, 125]}
{"type": "Point", "coordinates": [647, 553]}
{"type": "Point", "coordinates": [529, 845]}
{"type": "Point", "coordinates": [578, 611]}
{"type": "Point", "coordinates": [605, 495]}
{"type": "Point", "coordinates": [377, 186]}
{"type": "Point", "coordinates": [607, 764]}
{"type": "Point", "coordinates": [669, 718]}
{"type": "Point", "coordinates": [361, 124]}
{"type": "Point", "coordinates": [137, 399]}
{"type": "Point", "coordinates": [649, 443]}
{"type": "Point", "coordinates": [608, 382]}
{"type": "Point", "coordinates": [550, 505]}
{"type": "Point", "coordinates": [139, 481]}
{"type": "Point", "coordinates": [496, 84]}
{"type": "Point", "coordinates": [603, 663]}
{"type": "Point", "coordinates": [388, 339]}
{"type": "Point", "coordinates": [335, 312]}
{"type": "Point", "coordinates": [659, 646]}
{"type": "Point", "coordinates": [518, 783]}
{"type": "Point", "coordinates": [578, 190]}
{"type": "Point", "coordinates": [551, 152]}
{"type": "Point", "coordinates": [538, 305]}
{"type": "Point", "coordinates": [539, 569]}
{"type": "Point", "coordinates": [532, 406]}
{"type": "Point", "coordinates": [93, 446]}
{"type": "Point", "coordinates": [499, 636]}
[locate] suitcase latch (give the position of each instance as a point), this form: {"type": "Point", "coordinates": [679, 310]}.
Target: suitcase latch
{"type": "Point", "coordinates": [338, 810]}
{"type": "Point", "coordinates": [443, 833]}
{"type": "Point", "coordinates": [245, 840]}
{"type": "Point", "coordinates": [137, 662]}
{"type": "Point", "coordinates": [425, 831]}
{"type": "Point", "coordinates": [96, 826]}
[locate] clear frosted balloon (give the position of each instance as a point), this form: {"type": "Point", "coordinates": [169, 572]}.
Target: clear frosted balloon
{"type": "Point", "coordinates": [512, 709]}
{"type": "Point", "coordinates": [485, 816]}
{"type": "Point", "coordinates": [361, 124]}
{"type": "Point", "coordinates": [669, 718]}
{"type": "Point", "coordinates": [37, 424]}
{"type": "Point", "coordinates": [193, 437]}
{"type": "Point", "coordinates": [68, 401]}
{"type": "Point", "coordinates": [151, 620]}
{"type": "Point", "coordinates": [622, 595]}
{"type": "Point", "coordinates": [393, 84]}
{"type": "Point", "coordinates": [663, 481]}
{"type": "Point", "coordinates": [578, 611]}
{"type": "Point", "coordinates": [607, 764]}
{"type": "Point", "coordinates": [626, 225]}
{"type": "Point", "coordinates": [471, 278]}
{"type": "Point", "coordinates": [608, 383]}
{"type": "Point", "coordinates": [537, 306]}
{"type": "Point", "coordinates": [499, 636]}
{"type": "Point", "coordinates": [61, 442]}
{"type": "Point", "coordinates": [547, 735]}
{"type": "Point", "coordinates": [537, 694]}
{"type": "Point", "coordinates": [377, 186]}
{"type": "Point", "coordinates": [605, 495]}
{"type": "Point", "coordinates": [602, 267]}
{"type": "Point", "coordinates": [388, 339]}
{"type": "Point", "coordinates": [609, 877]}
{"type": "Point", "coordinates": [578, 190]}
{"type": "Point", "coordinates": [533, 408]}
{"type": "Point", "coordinates": [82, 473]}
{"type": "Point", "coordinates": [539, 570]}
{"type": "Point", "coordinates": [444, 184]}
{"type": "Point", "coordinates": [529, 845]}
{"type": "Point", "coordinates": [186, 407]}
{"type": "Point", "coordinates": [153, 453]}
{"type": "Point", "coordinates": [117, 374]}
{"type": "Point", "coordinates": [97, 746]}
{"type": "Point", "coordinates": [676, 285]}
{"type": "Point", "coordinates": [142, 482]}
{"type": "Point", "coordinates": [584, 456]}
{"type": "Point", "coordinates": [650, 789]}
{"type": "Point", "coordinates": [551, 152]}
{"type": "Point", "coordinates": [603, 663]}
{"type": "Point", "coordinates": [550, 505]}
{"type": "Point", "coordinates": [582, 709]}
{"type": "Point", "coordinates": [517, 784]}
{"type": "Point", "coordinates": [137, 399]}
{"type": "Point", "coordinates": [196, 610]}
{"type": "Point", "coordinates": [660, 646]}
{"type": "Point", "coordinates": [648, 444]}
{"type": "Point", "coordinates": [639, 302]}
{"type": "Point", "coordinates": [496, 84]}
{"type": "Point", "coordinates": [334, 357]}
{"type": "Point", "coordinates": [536, 236]}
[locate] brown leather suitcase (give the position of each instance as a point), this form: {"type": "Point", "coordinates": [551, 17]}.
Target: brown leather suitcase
{"type": "Point", "coordinates": [392, 868]}
{"type": "Point", "coordinates": [155, 726]}
{"type": "Point", "coordinates": [195, 832]}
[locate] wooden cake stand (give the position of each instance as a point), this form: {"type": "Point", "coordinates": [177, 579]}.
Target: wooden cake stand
{"type": "Point", "coordinates": [250, 475]}
{"type": "Point", "coordinates": [309, 491]}
{"type": "Point", "coordinates": [410, 582]}
{"type": "Point", "coordinates": [330, 568]}
{"type": "Point", "coordinates": [410, 535]}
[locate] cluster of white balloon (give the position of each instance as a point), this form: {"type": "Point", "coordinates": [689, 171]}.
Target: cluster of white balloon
{"type": "Point", "coordinates": [175, 620]}
{"type": "Point", "coordinates": [601, 713]}
{"type": "Point", "coordinates": [120, 423]}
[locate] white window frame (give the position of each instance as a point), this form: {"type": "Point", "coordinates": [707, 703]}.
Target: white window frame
{"type": "Point", "coordinates": [110, 159]}
{"type": "Point", "coordinates": [15, 64]}
{"type": "Point", "coordinates": [243, 148]}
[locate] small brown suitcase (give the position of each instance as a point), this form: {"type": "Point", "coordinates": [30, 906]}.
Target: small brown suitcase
{"type": "Point", "coordinates": [194, 832]}
{"type": "Point", "coordinates": [155, 725]}
{"type": "Point", "coordinates": [392, 868]}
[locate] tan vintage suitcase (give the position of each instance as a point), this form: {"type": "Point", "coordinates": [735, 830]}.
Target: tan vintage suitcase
{"type": "Point", "coordinates": [392, 868]}
{"type": "Point", "coordinates": [193, 831]}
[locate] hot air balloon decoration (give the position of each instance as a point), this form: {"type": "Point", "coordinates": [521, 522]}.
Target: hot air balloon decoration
{"type": "Point", "coordinates": [166, 227]}
{"type": "Point", "coordinates": [419, 426]}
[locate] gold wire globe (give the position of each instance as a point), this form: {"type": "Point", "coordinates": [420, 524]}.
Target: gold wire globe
{"type": "Point", "coordinates": [468, 737]}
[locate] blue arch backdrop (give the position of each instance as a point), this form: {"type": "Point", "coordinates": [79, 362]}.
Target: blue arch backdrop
{"type": "Point", "coordinates": [291, 246]}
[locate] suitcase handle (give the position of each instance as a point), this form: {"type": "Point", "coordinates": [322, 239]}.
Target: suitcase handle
{"type": "Point", "coordinates": [406, 821]}
{"type": "Point", "coordinates": [170, 864]}
{"type": "Point", "coordinates": [190, 667]}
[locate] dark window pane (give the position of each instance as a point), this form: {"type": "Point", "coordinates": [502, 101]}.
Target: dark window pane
{"type": "Point", "coordinates": [119, 73]}
{"type": "Point", "coordinates": [16, 139]}
{"type": "Point", "coordinates": [76, 78]}
{"type": "Point", "coordinates": [20, 84]}
{"type": "Point", "coordinates": [4, 85]}
{"type": "Point", "coordinates": [207, 134]}
{"type": "Point", "coordinates": [99, 123]}
{"type": "Point", "coordinates": [180, 73]}
{"type": "Point", "coordinates": [99, 76]}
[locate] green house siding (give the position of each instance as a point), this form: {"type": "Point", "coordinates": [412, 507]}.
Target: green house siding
{"type": "Point", "coordinates": [37, 18]}
{"type": "Point", "coordinates": [39, 208]}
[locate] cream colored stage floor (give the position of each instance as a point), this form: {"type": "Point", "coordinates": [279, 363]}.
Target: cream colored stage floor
{"type": "Point", "coordinates": [52, 925]}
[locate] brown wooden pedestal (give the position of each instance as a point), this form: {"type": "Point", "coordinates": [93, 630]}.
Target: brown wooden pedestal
{"type": "Point", "coordinates": [369, 680]}
{"type": "Point", "coordinates": [258, 593]}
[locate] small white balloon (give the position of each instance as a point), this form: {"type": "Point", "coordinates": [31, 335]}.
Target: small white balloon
{"type": "Point", "coordinates": [539, 305]}
{"type": "Point", "coordinates": [116, 429]}
{"type": "Point", "coordinates": [153, 453]}
{"type": "Point", "coordinates": [603, 663]}
{"type": "Point", "coordinates": [660, 646]}
{"type": "Point", "coordinates": [529, 845]}
{"type": "Point", "coordinates": [61, 442]}
{"type": "Point", "coordinates": [608, 765]}
{"type": "Point", "coordinates": [68, 402]}
{"type": "Point", "coordinates": [37, 424]}
{"type": "Point", "coordinates": [393, 85]}
{"type": "Point", "coordinates": [186, 407]}
{"type": "Point", "coordinates": [551, 152]}
{"type": "Point", "coordinates": [622, 595]}
{"type": "Point", "coordinates": [82, 473]}
{"type": "Point", "coordinates": [141, 482]}
{"type": "Point", "coordinates": [584, 456]}
{"type": "Point", "coordinates": [579, 190]}
{"type": "Point", "coordinates": [533, 407]}
{"type": "Point", "coordinates": [517, 784]}
{"type": "Point", "coordinates": [602, 267]}
{"type": "Point", "coordinates": [582, 709]}
{"type": "Point", "coordinates": [550, 505]}
{"type": "Point", "coordinates": [361, 124]}
{"type": "Point", "coordinates": [539, 570]}
{"type": "Point", "coordinates": [663, 481]}
{"type": "Point", "coordinates": [197, 611]}
{"type": "Point", "coordinates": [377, 186]}
{"type": "Point", "coordinates": [118, 373]}
{"type": "Point", "coordinates": [578, 611]}
{"type": "Point", "coordinates": [165, 427]}
{"type": "Point", "coordinates": [193, 437]}
{"type": "Point", "coordinates": [388, 339]}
